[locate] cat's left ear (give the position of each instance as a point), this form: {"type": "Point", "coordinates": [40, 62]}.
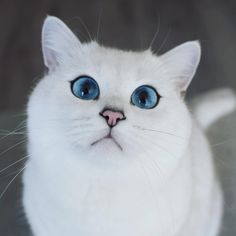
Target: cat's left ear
{"type": "Point", "coordinates": [182, 63]}
{"type": "Point", "coordinates": [58, 42]}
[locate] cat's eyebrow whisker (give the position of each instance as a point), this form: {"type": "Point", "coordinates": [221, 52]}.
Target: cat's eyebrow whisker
{"type": "Point", "coordinates": [164, 41]}
{"type": "Point", "coordinates": [158, 131]}
{"type": "Point", "coordinates": [12, 180]}
{"type": "Point", "coordinates": [14, 163]}
{"type": "Point", "coordinates": [13, 146]}
{"type": "Point", "coordinates": [85, 27]}
{"type": "Point", "coordinates": [156, 33]}
{"type": "Point", "coordinates": [99, 23]}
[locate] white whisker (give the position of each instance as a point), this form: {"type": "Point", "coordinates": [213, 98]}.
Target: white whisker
{"type": "Point", "coordinates": [158, 131]}
{"type": "Point", "coordinates": [13, 146]}
{"type": "Point", "coordinates": [99, 24]}
{"type": "Point", "coordinates": [164, 41]}
{"type": "Point", "coordinates": [152, 141]}
{"type": "Point", "coordinates": [139, 142]}
{"type": "Point", "coordinates": [11, 132]}
{"type": "Point", "coordinates": [8, 185]}
{"type": "Point", "coordinates": [85, 27]}
{"type": "Point", "coordinates": [156, 33]}
{"type": "Point", "coordinates": [23, 158]}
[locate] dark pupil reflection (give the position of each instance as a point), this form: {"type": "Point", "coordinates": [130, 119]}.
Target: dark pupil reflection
{"type": "Point", "coordinates": [143, 97]}
{"type": "Point", "coordinates": [86, 89]}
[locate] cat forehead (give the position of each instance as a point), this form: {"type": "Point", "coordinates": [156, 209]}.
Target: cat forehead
{"type": "Point", "coordinates": [118, 62]}
{"type": "Point", "coordinates": [119, 57]}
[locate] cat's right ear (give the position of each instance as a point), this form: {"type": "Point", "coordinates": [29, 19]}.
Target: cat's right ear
{"type": "Point", "coordinates": [182, 63]}
{"type": "Point", "coordinates": [58, 42]}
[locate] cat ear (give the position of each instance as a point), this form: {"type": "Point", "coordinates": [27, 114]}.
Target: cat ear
{"type": "Point", "coordinates": [58, 42]}
{"type": "Point", "coordinates": [182, 62]}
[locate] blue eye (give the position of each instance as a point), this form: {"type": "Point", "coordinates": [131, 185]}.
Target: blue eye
{"type": "Point", "coordinates": [85, 87]}
{"type": "Point", "coordinates": [145, 97]}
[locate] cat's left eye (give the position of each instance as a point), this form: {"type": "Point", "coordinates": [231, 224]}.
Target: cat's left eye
{"type": "Point", "coordinates": [145, 97]}
{"type": "Point", "coordinates": [85, 87]}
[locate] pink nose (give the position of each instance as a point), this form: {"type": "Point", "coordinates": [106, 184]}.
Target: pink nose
{"type": "Point", "coordinates": [112, 117]}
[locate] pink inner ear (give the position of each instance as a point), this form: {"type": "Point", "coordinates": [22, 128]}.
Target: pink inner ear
{"type": "Point", "coordinates": [50, 60]}
{"type": "Point", "coordinates": [58, 41]}
{"type": "Point", "coordinates": [182, 84]}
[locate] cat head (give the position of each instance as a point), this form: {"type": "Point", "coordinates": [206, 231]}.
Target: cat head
{"type": "Point", "coordinates": [107, 103]}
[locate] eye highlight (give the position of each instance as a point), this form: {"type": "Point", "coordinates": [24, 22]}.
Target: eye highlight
{"type": "Point", "coordinates": [145, 97]}
{"type": "Point", "coordinates": [85, 87]}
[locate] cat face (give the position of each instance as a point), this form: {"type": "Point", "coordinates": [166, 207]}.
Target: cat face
{"type": "Point", "coordinates": [111, 104]}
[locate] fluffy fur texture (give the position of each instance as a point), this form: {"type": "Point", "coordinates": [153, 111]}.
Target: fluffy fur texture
{"type": "Point", "coordinates": [162, 181]}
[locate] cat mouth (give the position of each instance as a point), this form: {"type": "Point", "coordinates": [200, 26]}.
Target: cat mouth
{"type": "Point", "coordinates": [108, 136]}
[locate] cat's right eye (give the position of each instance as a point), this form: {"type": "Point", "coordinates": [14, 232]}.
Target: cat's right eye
{"type": "Point", "coordinates": [145, 97]}
{"type": "Point", "coordinates": [85, 87]}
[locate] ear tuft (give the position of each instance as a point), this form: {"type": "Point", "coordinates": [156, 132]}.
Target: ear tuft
{"type": "Point", "coordinates": [182, 63]}
{"type": "Point", "coordinates": [58, 41]}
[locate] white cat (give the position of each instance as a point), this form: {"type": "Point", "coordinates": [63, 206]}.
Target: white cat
{"type": "Point", "coordinates": [113, 149]}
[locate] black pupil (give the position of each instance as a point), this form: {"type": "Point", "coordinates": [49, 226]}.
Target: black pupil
{"type": "Point", "coordinates": [86, 89]}
{"type": "Point", "coordinates": [143, 97]}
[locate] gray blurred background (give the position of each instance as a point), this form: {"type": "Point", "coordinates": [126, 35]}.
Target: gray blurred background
{"type": "Point", "coordinates": [127, 24]}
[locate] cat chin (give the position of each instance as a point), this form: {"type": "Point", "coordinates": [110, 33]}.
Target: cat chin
{"type": "Point", "coordinates": [108, 138]}
{"type": "Point", "coordinates": [106, 145]}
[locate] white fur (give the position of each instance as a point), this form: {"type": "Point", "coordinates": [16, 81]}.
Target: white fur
{"type": "Point", "coordinates": [161, 183]}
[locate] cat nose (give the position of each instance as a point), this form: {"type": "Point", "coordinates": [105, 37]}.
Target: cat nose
{"type": "Point", "coordinates": [112, 117]}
